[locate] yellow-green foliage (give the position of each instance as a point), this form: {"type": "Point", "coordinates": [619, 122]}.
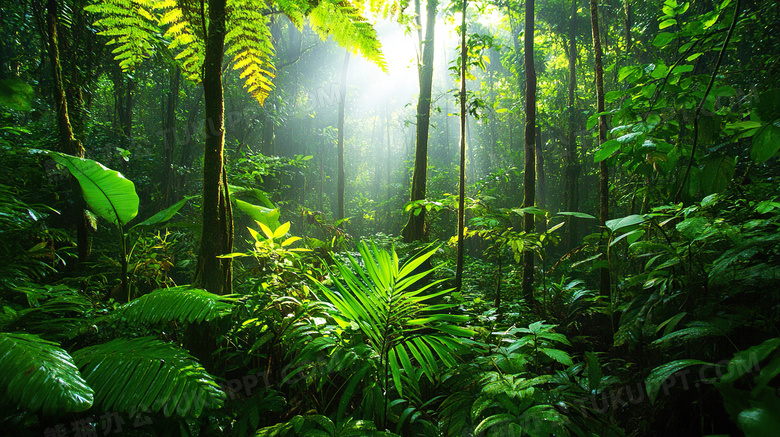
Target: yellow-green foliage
{"type": "Point", "coordinates": [138, 27]}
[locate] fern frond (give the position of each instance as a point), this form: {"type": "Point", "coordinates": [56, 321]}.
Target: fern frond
{"type": "Point", "coordinates": [249, 44]}
{"type": "Point", "coordinates": [349, 28]}
{"type": "Point", "coordinates": [38, 374]}
{"type": "Point", "coordinates": [183, 23]}
{"type": "Point", "coordinates": [147, 375]}
{"type": "Point", "coordinates": [131, 25]}
{"type": "Point", "coordinates": [182, 304]}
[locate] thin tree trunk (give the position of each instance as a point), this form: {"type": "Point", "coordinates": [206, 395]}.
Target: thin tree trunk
{"type": "Point", "coordinates": [67, 142]}
{"type": "Point", "coordinates": [342, 106]}
{"type": "Point", "coordinates": [215, 274]}
{"type": "Point", "coordinates": [541, 181]}
{"type": "Point", "coordinates": [462, 185]}
{"type": "Point", "coordinates": [169, 140]}
{"type": "Point", "coordinates": [415, 227]}
{"type": "Point", "coordinates": [529, 179]}
{"type": "Point", "coordinates": [604, 285]}
{"type": "Point", "coordinates": [571, 183]}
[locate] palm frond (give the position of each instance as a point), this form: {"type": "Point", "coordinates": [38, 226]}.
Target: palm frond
{"type": "Point", "coordinates": [131, 25]}
{"type": "Point", "coordinates": [182, 304]}
{"type": "Point", "coordinates": [349, 28]}
{"type": "Point", "coordinates": [146, 374]}
{"type": "Point", "coordinates": [249, 44]}
{"type": "Point", "coordinates": [38, 374]}
{"type": "Point", "coordinates": [390, 306]}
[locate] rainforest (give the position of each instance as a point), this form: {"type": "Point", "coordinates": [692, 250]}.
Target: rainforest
{"type": "Point", "coordinates": [428, 218]}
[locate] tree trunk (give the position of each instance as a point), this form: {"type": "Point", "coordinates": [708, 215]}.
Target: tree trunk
{"type": "Point", "coordinates": [529, 179]}
{"type": "Point", "coordinates": [167, 187]}
{"type": "Point", "coordinates": [604, 285]}
{"type": "Point", "coordinates": [67, 142]}
{"type": "Point", "coordinates": [415, 227]}
{"type": "Point", "coordinates": [215, 274]}
{"type": "Point", "coordinates": [541, 181]}
{"type": "Point", "coordinates": [340, 214]}
{"type": "Point", "coordinates": [571, 183]}
{"type": "Point", "coordinates": [462, 186]}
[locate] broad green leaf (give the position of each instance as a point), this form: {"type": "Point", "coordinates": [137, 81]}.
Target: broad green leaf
{"type": "Point", "coordinates": [130, 375]}
{"type": "Point", "coordinates": [663, 39]}
{"type": "Point", "coordinates": [765, 143]}
{"type": "Point", "coordinates": [38, 374]}
{"type": "Point", "coordinates": [164, 215]}
{"type": "Point", "coordinates": [267, 216]}
{"type": "Point", "coordinates": [615, 225]}
{"type": "Point", "coordinates": [282, 230]}
{"type": "Point", "coordinates": [108, 194]}
{"type": "Point", "coordinates": [606, 150]}
{"type": "Point", "coordinates": [557, 355]}
{"type": "Point", "coordinates": [667, 23]}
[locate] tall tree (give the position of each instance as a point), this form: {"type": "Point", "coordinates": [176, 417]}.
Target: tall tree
{"type": "Point", "coordinates": [462, 176]}
{"type": "Point", "coordinates": [203, 40]}
{"type": "Point", "coordinates": [571, 178]}
{"type": "Point", "coordinates": [168, 174]}
{"type": "Point", "coordinates": [529, 179]}
{"type": "Point", "coordinates": [213, 273]}
{"type": "Point", "coordinates": [415, 227]}
{"type": "Point", "coordinates": [604, 283]}
{"type": "Point", "coordinates": [67, 141]}
{"type": "Point", "coordinates": [340, 146]}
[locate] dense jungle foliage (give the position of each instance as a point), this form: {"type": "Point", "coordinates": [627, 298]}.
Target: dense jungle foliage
{"type": "Point", "coordinates": [389, 218]}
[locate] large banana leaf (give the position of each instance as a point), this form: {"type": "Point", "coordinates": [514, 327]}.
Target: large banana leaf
{"type": "Point", "coordinates": [107, 193]}
{"type": "Point", "coordinates": [146, 374]}
{"type": "Point", "coordinates": [38, 374]}
{"type": "Point", "coordinates": [183, 304]}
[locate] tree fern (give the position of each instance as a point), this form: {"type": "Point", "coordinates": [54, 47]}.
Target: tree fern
{"type": "Point", "coordinates": [38, 374]}
{"type": "Point", "coordinates": [182, 304]}
{"type": "Point", "coordinates": [131, 25]}
{"type": "Point", "coordinates": [147, 374]}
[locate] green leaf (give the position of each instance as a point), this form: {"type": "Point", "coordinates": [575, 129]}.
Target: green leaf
{"type": "Point", "coordinates": [606, 150]}
{"type": "Point", "coordinates": [557, 355]}
{"type": "Point", "coordinates": [146, 374]}
{"type": "Point", "coordinates": [282, 230]}
{"type": "Point", "coordinates": [108, 194]}
{"type": "Point", "coordinates": [164, 215]}
{"type": "Point", "coordinates": [663, 39]}
{"type": "Point", "coordinates": [615, 225]}
{"type": "Point", "coordinates": [577, 214]}
{"type": "Point", "coordinates": [717, 174]}
{"type": "Point", "coordinates": [594, 370]}
{"type": "Point", "coordinates": [667, 23]}
{"type": "Point", "coordinates": [182, 304]}
{"type": "Point", "coordinates": [662, 373]}
{"type": "Point", "coordinates": [765, 144]}
{"type": "Point", "coordinates": [267, 216]}
{"type": "Point", "coordinates": [38, 374]}
{"type": "Point", "coordinates": [16, 94]}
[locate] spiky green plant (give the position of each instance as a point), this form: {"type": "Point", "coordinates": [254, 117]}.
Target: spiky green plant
{"type": "Point", "coordinates": [403, 326]}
